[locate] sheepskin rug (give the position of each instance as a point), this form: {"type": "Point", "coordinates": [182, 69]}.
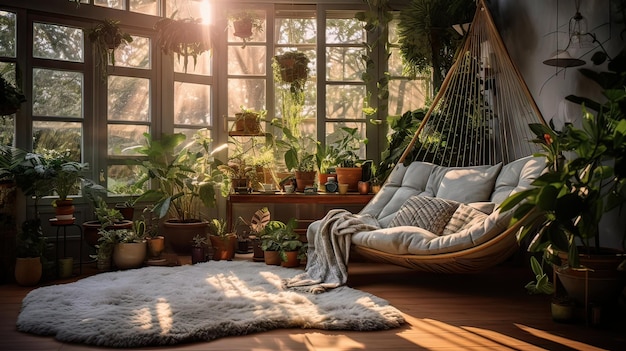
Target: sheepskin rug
{"type": "Point", "coordinates": [169, 305]}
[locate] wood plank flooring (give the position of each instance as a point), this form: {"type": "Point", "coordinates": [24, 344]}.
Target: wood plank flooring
{"type": "Point", "coordinates": [483, 311]}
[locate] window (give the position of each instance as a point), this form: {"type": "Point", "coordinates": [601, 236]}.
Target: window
{"type": "Point", "coordinates": [58, 88]}
{"type": "Point", "coordinates": [8, 55]}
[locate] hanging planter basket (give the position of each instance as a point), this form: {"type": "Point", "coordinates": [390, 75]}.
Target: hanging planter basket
{"type": "Point", "coordinates": [293, 66]}
{"type": "Point", "coordinates": [243, 29]}
{"type": "Point", "coordinates": [186, 38]}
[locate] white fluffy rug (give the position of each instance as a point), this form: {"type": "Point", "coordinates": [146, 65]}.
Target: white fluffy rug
{"type": "Point", "coordinates": [169, 305]}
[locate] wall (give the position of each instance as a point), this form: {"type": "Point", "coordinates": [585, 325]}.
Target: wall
{"type": "Point", "coordinates": [528, 29]}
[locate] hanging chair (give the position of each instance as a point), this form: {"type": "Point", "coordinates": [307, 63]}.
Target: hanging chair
{"type": "Point", "coordinates": [477, 126]}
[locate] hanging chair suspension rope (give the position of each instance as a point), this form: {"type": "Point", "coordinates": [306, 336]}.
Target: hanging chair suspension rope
{"type": "Point", "coordinates": [481, 113]}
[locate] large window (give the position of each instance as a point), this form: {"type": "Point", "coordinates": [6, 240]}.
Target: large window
{"type": "Point", "coordinates": [8, 56]}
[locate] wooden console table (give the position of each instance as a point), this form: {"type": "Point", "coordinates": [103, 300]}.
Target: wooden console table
{"type": "Point", "coordinates": [305, 208]}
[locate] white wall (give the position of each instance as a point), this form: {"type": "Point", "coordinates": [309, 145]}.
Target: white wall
{"type": "Point", "coordinates": [528, 28]}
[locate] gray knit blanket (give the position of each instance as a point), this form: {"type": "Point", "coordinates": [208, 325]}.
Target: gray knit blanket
{"type": "Point", "coordinates": [329, 251]}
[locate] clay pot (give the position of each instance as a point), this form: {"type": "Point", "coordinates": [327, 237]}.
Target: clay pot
{"type": "Point", "coordinates": [272, 258]}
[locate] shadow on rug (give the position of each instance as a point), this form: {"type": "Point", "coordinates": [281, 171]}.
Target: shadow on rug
{"type": "Point", "coordinates": [169, 305]}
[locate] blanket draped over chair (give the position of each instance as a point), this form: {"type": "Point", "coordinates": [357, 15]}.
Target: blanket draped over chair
{"type": "Point", "coordinates": [329, 251]}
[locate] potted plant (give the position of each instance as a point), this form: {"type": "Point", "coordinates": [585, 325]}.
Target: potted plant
{"type": "Point", "coordinates": [239, 171]}
{"type": "Point", "coordinates": [107, 217]}
{"type": "Point", "coordinates": [30, 248]}
{"type": "Point", "coordinates": [585, 179]}
{"type": "Point", "coordinates": [246, 23]}
{"type": "Point", "coordinates": [255, 226]}
{"type": "Point", "coordinates": [248, 122]}
{"type": "Point", "coordinates": [185, 37]}
{"type": "Point", "coordinates": [222, 241]}
{"type": "Point", "coordinates": [130, 249]}
{"type": "Point", "coordinates": [64, 178]}
{"type": "Point", "coordinates": [292, 250]}
{"type": "Point", "coordinates": [299, 154]}
{"type": "Point", "coordinates": [197, 249]}
{"type": "Point", "coordinates": [106, 241]}
{"type": "Point", "coordinates": [273, 236]}
{"type": "Point", "coordinates": [347, 160]}
{"type": "Point", "coordinates": [184, 184]}
{"type": "Point", "coordinates": [106, 36]}
{"type": "Point", "coordinates": [11, 97]}
{"type": "Point", "coordinates": [293, 68]}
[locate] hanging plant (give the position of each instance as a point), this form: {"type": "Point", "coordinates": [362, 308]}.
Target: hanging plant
{"type": "Point", "coordinates": [246, 24]}
{"type": "Point", "coordinates": [427, 39]}
{"type": "Point", "coordinates": [106, 36]}
{"type": "Point", "coordinates": [186, 38]}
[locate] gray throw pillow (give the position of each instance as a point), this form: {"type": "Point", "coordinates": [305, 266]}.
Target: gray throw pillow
{"type": "Point", "coordinates": [426, 212]}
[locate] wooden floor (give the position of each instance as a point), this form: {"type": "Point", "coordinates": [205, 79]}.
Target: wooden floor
{"type": "Point", "coordinates": [485, 311]}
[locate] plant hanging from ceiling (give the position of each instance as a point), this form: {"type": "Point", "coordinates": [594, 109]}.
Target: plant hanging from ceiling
{"type": "Point", "coordinates": [106, 36]}
{"type": "Point", "coordinates": [187, 37]}
{"type": "Point", "coordinates": [427, 40]}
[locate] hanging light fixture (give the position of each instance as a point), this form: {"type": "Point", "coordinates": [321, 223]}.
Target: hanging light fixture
{"type": "Point", "coordinates": [578, 36]}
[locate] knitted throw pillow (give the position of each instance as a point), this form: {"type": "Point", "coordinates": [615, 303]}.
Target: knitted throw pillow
{"type": "Point", "coordinates": [426, 212]}
{"type": "Point", "coordinates": [464, 217]}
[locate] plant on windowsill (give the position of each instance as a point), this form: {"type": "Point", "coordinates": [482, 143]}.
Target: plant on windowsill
{"type": "Point", "coordinates": [187, 37]}
{"type": "Point", "coordinates": [246, 23]}
{"type": "Point", "coordinates": [186, 181]}
{"type": "Point", "coordinates": [299, 155]}
{"type": "Point", "coordinates": [106, 36]}
{"type": "Point", "coordinates": [248, 122]}
{"type": "Point", "coordinates": [347, 160]}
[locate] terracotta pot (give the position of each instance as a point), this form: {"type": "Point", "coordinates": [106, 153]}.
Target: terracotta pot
{"type": "Point", "coordinates": [272, 258]}
{"type": "Point", "coordinates": [364, 188]}
{"type": "Point", "coordinates": [322, 178]}
{"type": "Point", "coordinates": [28, 270]}
{"type": "Point", "coordinates": [156, 246]}
{"type": "Point", "coordinates": [64, 210]}
{"type": "Point", "coordinates": [376, 188]}
{"type": "Point", "coordinates": [247, 123]}
{"type": "Point", "coordinates": [90, 230]}
{"type": "Point", "coordinates": [179, 235]}
{"type": "Point", "coordinates": [129, 255]}
{"type": "Point", "coordinates": [292, 259]}
{"type": "Point", "coordinates": [304, 179]}
{"type": "Point", "coordinates": [243, 28]}
{"type": "Point", "coordinates": [223, 248]}
{"type": "Point", "coordinates": [349, 175]}
{"type": "Point", "coordinates": [127, 212]}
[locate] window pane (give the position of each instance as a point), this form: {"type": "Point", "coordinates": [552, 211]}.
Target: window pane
{"type": "Point", "coordinates": [120, 178]}
{"type": "Point", "coordinates": [344, 101]}
{"type": "Point", "coordinates": [345, 31]}
{"type": "Point", "coordinates": [189, 8]}
{"type": "Point", "coordinates": [7, 33]}
{"type": "Point", "coordinates": [58, 136]}
{"type": "Point", "coordinates": [149, 7]}
{"type": "Point", "coordinates": [248, 60]}
{"type": "Point", "coordinates": [135, 54]}
{"type": "Point", "coordinates": [406, 95]}
{"type": "Point", "coordinates": [334, 133]}
{"type": "Point", "coordinates": [202, 65]}
{"type": "Point", "coordinates": [114, 4]}
{"type": "Point", "coordinates": [395, 62]}
{"type": "Point", "coordinates": [344, 63]}
{"type": "Point", "coordinates": [248, 93]}
{"type": "Point", "coordinates": [7, 123]}
{"type": "Point", "coordinates": [192, 104]}
{"type": "Point", "coordinates": [129, 99]}
{"type": "Point", "coordinates": [121, 137]}
{"type": "Point", "coordinates": [57, 42]}
{"type": "Point", "coordinates": [296, 30]}
{"type": "Point", "coordinates": [257, 35]}
{"type": "Point", "coordinates": [57, 93]}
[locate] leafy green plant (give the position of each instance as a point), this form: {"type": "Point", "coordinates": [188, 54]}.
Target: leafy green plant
{"type": "Point", "coordinates": [185, 180]}
{"type": "Point", "coordinates": [11, 97]}
{"type": "Point", "coordinates": [299, 150]}
{"type": "Point", "coordinates": [219, 227]}
{"type": "Point", "coordinates": [30, 241]}
{"type": "Point", "coordinates": [541, 284]}
{"type": "Point", "coordinates": [568, 202]}
{"type": "Point", "coordinates": [184, 37]}
{"type": "Point", "coordinates": [106, 36]}
{"type": "Point", "coordinates": [276, 233]}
